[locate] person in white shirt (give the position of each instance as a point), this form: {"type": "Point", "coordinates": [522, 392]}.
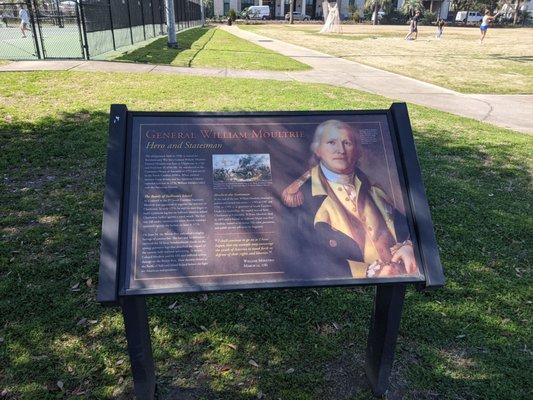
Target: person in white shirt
{"type": "Point", "coordinates": [24, 16]}
{"type": "Point", "coordinates": [485, 23]}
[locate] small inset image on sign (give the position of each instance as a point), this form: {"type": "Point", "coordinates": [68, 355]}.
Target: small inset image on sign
{"type": "Point", "coordinates": [237, 168]}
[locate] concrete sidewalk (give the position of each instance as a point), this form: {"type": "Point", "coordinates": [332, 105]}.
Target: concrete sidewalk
{"type": "Point", "coordinates": [508, 111]}
{"type": "Point", "coordinates": [110, 66]}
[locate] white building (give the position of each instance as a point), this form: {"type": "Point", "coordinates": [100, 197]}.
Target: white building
{"type": "Point", "coordinates": [313, 8]}
{"type": "Point", "coordinates": [278, 8]}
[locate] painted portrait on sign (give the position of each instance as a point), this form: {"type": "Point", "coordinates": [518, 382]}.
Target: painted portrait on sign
{"type": "Point", "coordinates": [343, 223]}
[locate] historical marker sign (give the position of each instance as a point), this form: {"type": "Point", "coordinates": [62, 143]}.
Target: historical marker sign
{"type": "Point", "coordinates": [201, 202]}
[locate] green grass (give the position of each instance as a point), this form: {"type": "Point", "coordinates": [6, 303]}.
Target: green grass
{"type": "Point", "coordinates": [212, 47]}
{"type": "Point", "coordinates": [471, 339]}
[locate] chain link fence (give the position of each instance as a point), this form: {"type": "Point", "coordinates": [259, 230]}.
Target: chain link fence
{"type": "Point", "coordinates": [83, 29]}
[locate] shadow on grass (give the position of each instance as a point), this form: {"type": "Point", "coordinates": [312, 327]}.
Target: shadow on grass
{"type": "Point", "coordinates": [158, 52]}
{"type": "Point", "coordinates": [520, 59]}
{"type": "Point", "coordinates": [464, 340]}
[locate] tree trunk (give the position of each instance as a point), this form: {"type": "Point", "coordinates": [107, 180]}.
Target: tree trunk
{"type": "Point", "coordinates": [376, 9]}
{"type": "Point", "coordinates": [291, 10]}
{"type": "Point", "coordinates": [516, 11]}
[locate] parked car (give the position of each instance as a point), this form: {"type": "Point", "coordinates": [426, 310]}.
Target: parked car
{"type": "Point", "coordinates": [256, 12]}
{"type": "Point", "coordinates": [474, 17]}
{"type": "Point", "coordinates": [297, 16]}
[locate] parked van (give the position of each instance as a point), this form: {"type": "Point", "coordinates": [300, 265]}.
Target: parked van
{"type": "Point", "coordinates": [474, 17]}
{"type": "Point", "coordinates": [257, 12]}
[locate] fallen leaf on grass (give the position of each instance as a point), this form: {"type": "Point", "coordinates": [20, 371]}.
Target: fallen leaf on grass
{"type": "Point", "coordinates": [120, 362]}
{"type": "Point", "coordinates": [89, 282]}
{"type": "Point", "coordinates": [231, 345]}
{"type": "Point", "coordinates": [460, 336]}
{"type": "Point", "coordinates": [82, 321]}
{"type": "Point", "coordinates": [60, 384]}
{"type": "Point", "coordinates": [75, 288]}
{"type": "Point", "coordinates": [173, 305]}
{"type": "Point", "coordinates": [290, 371]}
{"type": "Point", "coordinates": [253, 363]}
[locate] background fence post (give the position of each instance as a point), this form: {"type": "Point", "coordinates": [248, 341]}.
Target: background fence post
{"type": "Point", "coordinates": [111, 24]}
{"type": "Point", "coordinates": [187, 13]}
{"type": "Point", "coordinates": [129, 20]}
{"type": "Point", "coordinates": [32, 9]}
{"type": "Point", "coordinates": [82, 29]}
{"type": "Point", "coordinates": [153, 16]}
{"type": "Point", "coordinates": [142, 17]}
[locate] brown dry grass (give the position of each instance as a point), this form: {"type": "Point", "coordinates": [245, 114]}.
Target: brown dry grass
{"type": "Point", "coordinates": [503, 64]}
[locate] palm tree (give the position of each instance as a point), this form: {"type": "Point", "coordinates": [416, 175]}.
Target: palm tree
{"type": "Point", "coordinates": [375, 6]}
{"type": "Point", "coordinates": [412, 6]}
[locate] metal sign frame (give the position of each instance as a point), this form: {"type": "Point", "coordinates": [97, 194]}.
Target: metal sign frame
{"type": "Point", "coordinates": [389, 296]}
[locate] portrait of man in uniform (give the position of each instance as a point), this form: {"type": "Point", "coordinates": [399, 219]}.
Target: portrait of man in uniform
{"type": "Point", "coordinates": [346, 225]}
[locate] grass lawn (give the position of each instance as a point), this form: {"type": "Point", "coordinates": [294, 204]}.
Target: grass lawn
{"type": "Point", "coordinates": [469, 340]}
{"type": "Point", "coordinates": [212, 47]}
{"type": "Point", "coordinates": [502, 65]}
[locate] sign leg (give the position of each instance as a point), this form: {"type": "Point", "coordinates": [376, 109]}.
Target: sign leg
{"type": "Point", "coordinates": [384, 325]}
{"type": "Point", "coordinates": [139, 346]}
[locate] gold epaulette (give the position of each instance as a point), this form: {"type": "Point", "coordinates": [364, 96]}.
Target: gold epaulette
{"type": "Point", "coordinates": [292, 196]}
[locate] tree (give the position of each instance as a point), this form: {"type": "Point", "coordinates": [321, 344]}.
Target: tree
{"type": "Point", "coordinates": [291, 10]}
{"type": "Point", "coordinates": [375, 6]}
{"type": "Point", "coordinates": [410, 7]}
{"type": "Point", "coordinates": [209, 7]}
{"type": "Point", "coordinates": [518, 4]}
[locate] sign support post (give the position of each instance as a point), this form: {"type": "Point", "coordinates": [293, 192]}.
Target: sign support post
{"type": "Point", "coordinates": [384, 326]}
{"type": "Point", "coordinates": [139, 346]}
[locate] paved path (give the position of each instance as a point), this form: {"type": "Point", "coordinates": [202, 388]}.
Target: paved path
{"type": "Point", "coordinates": [509, 111]}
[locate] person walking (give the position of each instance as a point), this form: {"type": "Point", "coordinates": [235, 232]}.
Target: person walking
{"type": "Point", "coordinates": [24, 16]}
{"type": "Point", "coordinates": [440, 28]}
{"type": "Point", "coordinates": [413, 27]}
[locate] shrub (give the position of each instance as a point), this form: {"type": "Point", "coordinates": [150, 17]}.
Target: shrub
{"type": "Point", "coordinates": [354, 14]}
{"type": "Point", "coordinates": [428, 17]}
{"type": "Point", "coordinates": [232, 16]}
{"type": "Point", "coordinates": [394, 17]}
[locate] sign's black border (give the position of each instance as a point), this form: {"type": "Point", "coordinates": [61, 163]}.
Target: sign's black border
{"type": "Point", "coordinates": [113, 244]}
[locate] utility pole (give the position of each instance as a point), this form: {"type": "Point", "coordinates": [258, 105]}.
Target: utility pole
{"type": "Point", "coordinates": [202, 11]}
{"type": "Point", "coordinates": [171, 25]}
